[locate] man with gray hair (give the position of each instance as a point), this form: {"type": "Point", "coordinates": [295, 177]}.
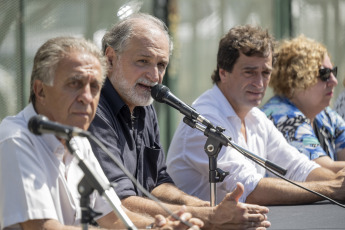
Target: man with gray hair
{"type": "Point", "coordinates": [138, 50]}
{"type": "Point", "coordinates": [38, 176]}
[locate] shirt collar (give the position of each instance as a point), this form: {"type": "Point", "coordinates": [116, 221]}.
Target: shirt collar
{"type": "Point", "coordinates": [228, 110]}
{"type": "Point", "coordinates": [112, 98]}
{"type": "Point", "coordinates": [51, 141]}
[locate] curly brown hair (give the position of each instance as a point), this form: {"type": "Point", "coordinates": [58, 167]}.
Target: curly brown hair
{"type": "Point", "coordinates": [297, 65]}
{"type": "Point", "coordinates": [248, 39]}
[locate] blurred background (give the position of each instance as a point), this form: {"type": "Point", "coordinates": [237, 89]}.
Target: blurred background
{"type": "Point", "coordinates": [195, 25]}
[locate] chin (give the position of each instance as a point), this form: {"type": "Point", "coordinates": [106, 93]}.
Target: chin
{"type": "Point", "coordinates": [256, 103]}
{"type": "Point", "coordinates": [142, 101]}
{"type": "Point", "coordinates": [82, 124]}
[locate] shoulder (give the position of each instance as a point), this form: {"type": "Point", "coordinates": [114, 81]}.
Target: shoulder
{"type": "Point", "coordinates": [259, 117]}
{"type": "Point", "coordinates": [213, 104]}
{"type": "Point", "coordinates": [280, 110]}
{"type": "Point", "coordinates": [277, 106]}
{"type": "Point", "coordinates": [13, 127]}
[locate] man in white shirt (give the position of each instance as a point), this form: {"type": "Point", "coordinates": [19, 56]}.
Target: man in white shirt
{"type": "Point", "coordinates": [244, 66]}
{"type": "Point", "coordinates": [38, 175]}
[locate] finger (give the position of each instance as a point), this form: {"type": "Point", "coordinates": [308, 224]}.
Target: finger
{"type": "Point", "coordinates": [182, 210]}
{"type": "Point", "coordinates": [258, 225]}
{"type": "Point", "coordinates": [160, 221]}
{"type": "Point", "coordinates": [257, 217]}
{"type": "Point", "coordinates": [257, 209]}
{"type": "Point", "coordinates": [237, 193]}
{"type": "Point", "coordinates": [196, 221]}
{"type": "Point", "coordinates": [178, 213]}
{"type": "Point", "coordinates": [186, 216]}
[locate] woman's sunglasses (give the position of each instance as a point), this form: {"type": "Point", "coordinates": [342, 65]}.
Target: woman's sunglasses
{"type": "Point", "coordinates": [325, 73]}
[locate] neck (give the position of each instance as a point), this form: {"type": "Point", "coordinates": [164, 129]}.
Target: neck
{"type": "Point", "coordinates": [243, 129]}
{"type": "Point", "coordinates": [308, 110]}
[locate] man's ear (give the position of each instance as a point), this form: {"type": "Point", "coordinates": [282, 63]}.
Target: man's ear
{"type": "Point", "coordinates": [111, 58]}
{"type": "Point", "coordinates": [222, 74]}
{"type": "Point", "coordinates": [39, 92]}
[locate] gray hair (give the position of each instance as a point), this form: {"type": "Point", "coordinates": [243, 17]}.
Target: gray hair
{"type": "Point", "coordinates": [118, 36]}
{"type": "Point", "coordinates": [52, 51]}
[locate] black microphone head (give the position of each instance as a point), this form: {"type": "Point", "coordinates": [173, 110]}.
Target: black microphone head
{"type": "Point", "coordinates": [159, 91]}
{"type": "Point", "coordinates": [35, 122]}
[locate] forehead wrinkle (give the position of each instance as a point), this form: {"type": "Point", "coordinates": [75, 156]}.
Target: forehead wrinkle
{"type": "Point", "coordinates": [83, 78]}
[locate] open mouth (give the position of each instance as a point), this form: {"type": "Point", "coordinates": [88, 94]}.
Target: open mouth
{"type": "Point", "coordinates": [143, 86]}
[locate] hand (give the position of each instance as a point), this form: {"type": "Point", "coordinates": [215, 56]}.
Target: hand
{"type": "Point", "coordinates": [339, 185]}
{"type": "Point", "coordinates": [171, 223]}
{"type": "Point", "coordinates": [231, 214]}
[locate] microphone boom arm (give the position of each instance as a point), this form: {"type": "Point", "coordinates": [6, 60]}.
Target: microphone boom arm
{"type": "Point", "coordinates": [96, 182]}
{"type": "Point", "coordinates": [226, 141]}
{"type": "Point", "coordinates": [273, 168]}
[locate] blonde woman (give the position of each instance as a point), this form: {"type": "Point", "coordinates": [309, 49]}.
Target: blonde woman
{"type": "Point", "coordinates": [303, 80]}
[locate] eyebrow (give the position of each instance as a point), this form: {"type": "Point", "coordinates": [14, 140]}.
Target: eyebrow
{"type": "Point", "coordinates": [81, 77]}
{"type": "Point", "coordinates": [145, 55]}
{"type": "Point", "coordinates": [256, 67]}
{"type": "Point", "coordinates": [250, 67]}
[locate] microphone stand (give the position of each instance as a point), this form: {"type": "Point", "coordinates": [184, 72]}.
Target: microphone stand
{"type": "Point", "coordinates": [90, 182]}
{"type": "Point", "coordinates": [216, 139]}
{"type": "Point", "coordinates": [212, 147]}
{"type": "Point", "coordinates": [87, 214]}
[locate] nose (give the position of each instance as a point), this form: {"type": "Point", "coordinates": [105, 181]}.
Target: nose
{"type": "Point", "coordinates": [333, 81]}
{"type": "Point", "coordinates": [155, 75]}
{"type": "Point", "coordinates": [86, 96]}
{"type": "Point", "coordinates": [259, 80]}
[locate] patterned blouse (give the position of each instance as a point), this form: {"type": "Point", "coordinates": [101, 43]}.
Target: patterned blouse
{"type": "Point", "coordinates": [326, 139]}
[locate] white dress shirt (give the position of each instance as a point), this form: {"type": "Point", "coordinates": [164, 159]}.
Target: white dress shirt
{"type": "Point", "coordinates": [188, 164]}
{"type": "Point", "coordinates": [39, 178]}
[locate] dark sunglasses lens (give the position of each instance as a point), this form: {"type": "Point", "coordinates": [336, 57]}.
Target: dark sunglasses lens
{"type": "Point", "coordinates": [325, 77]}
{"type": "Point", "coordinates": [325, 73]}
{"type": "Point", "coordinates": [335, 71]}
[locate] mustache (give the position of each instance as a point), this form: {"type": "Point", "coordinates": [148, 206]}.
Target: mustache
{"type": "Point", "coordinates": [146, 82]}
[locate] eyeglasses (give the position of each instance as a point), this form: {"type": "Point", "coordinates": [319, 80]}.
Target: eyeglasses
{"type": "Point", "coordinates": [325, 73]}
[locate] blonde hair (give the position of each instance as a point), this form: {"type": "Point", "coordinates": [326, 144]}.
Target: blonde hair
{"type": "Point", "coordinates": [297, 65]}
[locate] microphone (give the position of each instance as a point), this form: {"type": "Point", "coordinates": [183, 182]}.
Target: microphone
{"type": "Point", "coordinates": [162, 94]}
{"type": "Point", "coordinates": [40, 124]}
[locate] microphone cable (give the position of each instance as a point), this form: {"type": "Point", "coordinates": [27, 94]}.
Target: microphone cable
{"type": "Point", "coordinates": [247, 154]}
{"type": "Point", "coordinates": [162, 94]}
{"type": "Point", "coordinates": [40, 124]}
{"type": "Point", "coordinates": [294, 183]}
{"type": "Point", "coordinates": [136, 183]}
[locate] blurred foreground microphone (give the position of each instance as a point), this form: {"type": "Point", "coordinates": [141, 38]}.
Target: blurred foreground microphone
{"type": "Point", "coordinates": [162, 94]}
{"type": "Point", "coordinates": [40, 124]}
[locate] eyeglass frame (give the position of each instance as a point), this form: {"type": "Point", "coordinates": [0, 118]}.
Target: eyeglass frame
{"type": "Point", "coordinates": [325, 73]}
